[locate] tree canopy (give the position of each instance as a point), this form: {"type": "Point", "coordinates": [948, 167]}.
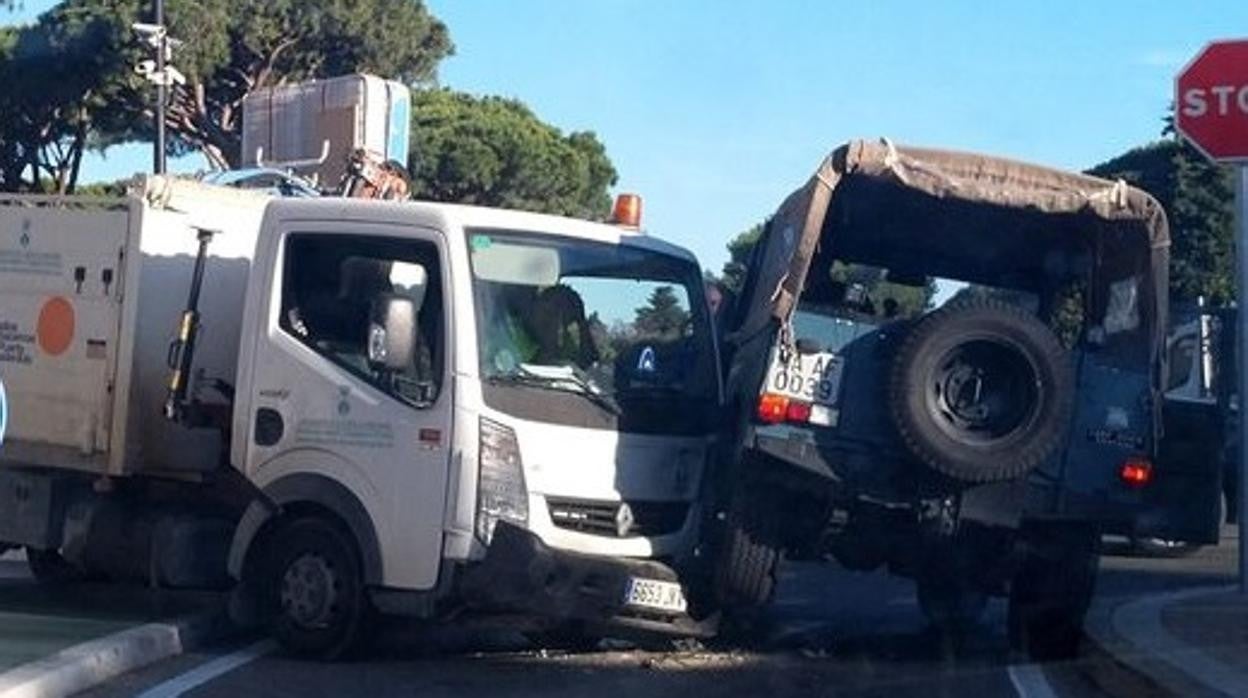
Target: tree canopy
{"type": "Point", "coordinates": [70, 85]}
{"type": "Point", "coordinates": [493, 151]}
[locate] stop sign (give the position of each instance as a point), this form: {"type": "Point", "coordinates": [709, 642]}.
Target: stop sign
{"type": "Point", "coordinates": [1211, 98]}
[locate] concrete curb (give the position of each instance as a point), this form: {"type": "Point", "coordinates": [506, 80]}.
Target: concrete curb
{"type": "Point", "coordinates": [1134, 635]}
{"type": "Point", "coordinates": [89, 664]}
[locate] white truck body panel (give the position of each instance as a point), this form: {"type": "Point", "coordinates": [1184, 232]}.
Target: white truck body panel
{"type": "Point", "coordinates": [95, 404]}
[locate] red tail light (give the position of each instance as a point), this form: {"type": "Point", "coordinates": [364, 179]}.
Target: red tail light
{"type": "Point", "coordinates": [772, 409]}
{"type": "Point", "coordinates": [776, 409]}
{"type": "Point", "coordinates": [798, 411]}
{"type": "Point", "coordinates": [1136, 472]}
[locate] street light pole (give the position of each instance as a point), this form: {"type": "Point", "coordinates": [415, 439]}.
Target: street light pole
{"type": "Point", "coordinates": [158, 154]}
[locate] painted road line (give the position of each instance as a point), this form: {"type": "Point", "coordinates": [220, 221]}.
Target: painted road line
{"type": "Point", "coordinates": [178, 685]}
{"type": "Point", "coordinates": [1139, 622]}
{"type": "Point", "coordinates": [1030, 682]}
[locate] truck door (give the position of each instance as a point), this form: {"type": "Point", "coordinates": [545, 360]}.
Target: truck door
{"type": "Point", "coordinates": [323, 406]}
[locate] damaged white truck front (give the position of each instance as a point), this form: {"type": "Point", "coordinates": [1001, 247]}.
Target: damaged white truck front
{"type": "Point", "coordinates": [423, 409]}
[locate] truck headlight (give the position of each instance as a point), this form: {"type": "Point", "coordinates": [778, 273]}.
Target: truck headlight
{"type": "Point", "coordinates": [501, 493]}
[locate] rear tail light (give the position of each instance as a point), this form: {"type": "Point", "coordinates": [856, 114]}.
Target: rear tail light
{"type": "Point", "coordinates": [798, 411]}
{"type": "Point", "coordinates": [772, 409]}
{"type": "Point", "coordinates": [776, 409]}
{"type": "Point", "coordinates": [1136, 472]}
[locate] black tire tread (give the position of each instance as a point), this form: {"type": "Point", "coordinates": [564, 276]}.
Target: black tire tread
{"type": "Point", "coordinates": [331, 646]}
{"type": "Point", "coordinates": [745, 575]}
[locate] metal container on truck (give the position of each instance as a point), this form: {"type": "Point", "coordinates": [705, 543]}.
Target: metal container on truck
{"type": "Point", "coordinates": [426, 409]}
{"type": "Point", "coordinates": [315, 125]}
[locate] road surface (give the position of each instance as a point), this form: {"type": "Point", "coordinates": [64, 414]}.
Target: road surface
{"type": "Point", "coordinates": [830, 632]}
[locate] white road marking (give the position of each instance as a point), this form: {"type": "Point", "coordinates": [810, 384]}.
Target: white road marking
{"type": "Point", "coordinates": [200, 675]}
{"type": "Point", "coordinates": [1030, 682]}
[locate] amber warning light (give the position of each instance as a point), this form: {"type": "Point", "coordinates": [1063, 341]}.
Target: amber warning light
{"type": "Point", "coordinates": [627, 211]}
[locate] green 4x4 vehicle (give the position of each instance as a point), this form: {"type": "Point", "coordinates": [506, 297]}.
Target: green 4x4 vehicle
{"type": "Point", "coordinates": [950, 365]}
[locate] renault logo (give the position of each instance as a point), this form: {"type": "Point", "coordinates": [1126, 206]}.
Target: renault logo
{"type": "Point", "coordinates": [624, 520]}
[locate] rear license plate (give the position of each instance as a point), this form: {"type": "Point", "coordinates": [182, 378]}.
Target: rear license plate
{"type": "Point", "coordinates": [654, 594]}
{"type": "Point", "coordinates": [814, 378]}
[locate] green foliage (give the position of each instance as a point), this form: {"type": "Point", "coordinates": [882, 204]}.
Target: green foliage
{"type": "Point", "coordinates": [70, 82]}
{"type": "Point", "coordinates": [1198, 197]}
{"type": "Point", "coordinates": [662, 317]}
{"type": "Point", "coordinates": [739, 250]}
{"type": "Point", "coordinates": [493, 151]}
{"type": "Point", "coordinates": [59, 77]}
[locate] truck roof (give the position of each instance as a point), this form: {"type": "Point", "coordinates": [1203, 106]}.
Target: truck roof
{"type": "Point", "coordinates": [474, 217]}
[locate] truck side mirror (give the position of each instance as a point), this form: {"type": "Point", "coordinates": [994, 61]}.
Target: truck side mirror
{"type": "Point", "coordinates": [392, 332]}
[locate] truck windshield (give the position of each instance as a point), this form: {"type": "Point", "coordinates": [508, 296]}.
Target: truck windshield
{"type": "Point", "coordinates": [591, 334]}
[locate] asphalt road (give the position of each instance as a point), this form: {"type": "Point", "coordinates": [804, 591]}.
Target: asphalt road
{"type": "Point", "coordinates": [830, 632]}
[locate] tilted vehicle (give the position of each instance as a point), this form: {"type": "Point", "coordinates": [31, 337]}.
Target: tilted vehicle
{"type": "Point", "coordinates": [950, 365]}
{"type": "Point", "coordinates": [423, 408]}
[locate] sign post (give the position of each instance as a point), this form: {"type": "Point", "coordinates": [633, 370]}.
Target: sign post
{"type": "Point", "coordinates": [1211, 112]}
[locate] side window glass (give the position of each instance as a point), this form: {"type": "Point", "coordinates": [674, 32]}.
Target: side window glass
{"type": "Point", "coordinates": [371, 305]}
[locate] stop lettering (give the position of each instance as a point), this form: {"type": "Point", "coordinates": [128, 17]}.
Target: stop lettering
{"type": "Point", "coordinates": [1211, 99]}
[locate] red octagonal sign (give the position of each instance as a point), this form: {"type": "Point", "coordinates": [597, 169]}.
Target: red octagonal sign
{"type": "Point", "coordinates": [1211, 95]}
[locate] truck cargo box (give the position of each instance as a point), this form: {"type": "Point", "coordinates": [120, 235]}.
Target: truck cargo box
{"type": "Point", "coordinates": [90, 294]}
{"type": "Point", "coordinates": [291, 123]}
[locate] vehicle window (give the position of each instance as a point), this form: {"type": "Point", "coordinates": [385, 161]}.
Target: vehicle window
{"type": "Point", "coordinates": [1182, 360]}
{"type": "Point", "coordinates": [334, 290]}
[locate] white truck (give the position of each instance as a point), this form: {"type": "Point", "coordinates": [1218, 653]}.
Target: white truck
{"type": "Point", "coordinates": [350, 406]}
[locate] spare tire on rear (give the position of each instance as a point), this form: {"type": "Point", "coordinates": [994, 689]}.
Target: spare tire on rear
{"type": "Point", "coordinates": [981, 391]}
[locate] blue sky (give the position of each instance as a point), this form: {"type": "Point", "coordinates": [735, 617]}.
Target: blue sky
{"type": "Point", "coordinates": [714, 110]}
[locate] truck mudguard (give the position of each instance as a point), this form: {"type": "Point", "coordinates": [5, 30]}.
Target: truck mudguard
{"type": "Point", "coordinates": [314, 489]}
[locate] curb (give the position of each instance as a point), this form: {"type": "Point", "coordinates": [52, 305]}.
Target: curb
{"type": "Point", "coordinates": [91, 663]}
{"type": "Point", "coordinates": [1133, 634]}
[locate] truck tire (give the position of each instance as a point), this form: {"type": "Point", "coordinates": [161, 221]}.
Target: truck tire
{"type": "Point", "coordinates": [314, 588]}
{"type": "Point", "coordinates": [745, 571]}
{"type": "Point", "coordinates": [1052, 590]}
{"type": "Point", "coordinates": [49, 568]}
{"type": "Point", "coordinates": [981, 391]}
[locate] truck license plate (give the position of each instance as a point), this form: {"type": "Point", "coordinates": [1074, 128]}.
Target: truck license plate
{"type": "Point", "coordinates": [652, 593]}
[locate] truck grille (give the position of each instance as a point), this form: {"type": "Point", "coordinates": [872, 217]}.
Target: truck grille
{"type": "Point", "coordinates": [604, 518]}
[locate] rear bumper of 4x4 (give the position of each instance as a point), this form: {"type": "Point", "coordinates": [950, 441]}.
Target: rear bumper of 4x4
{"type": "Point", "coordinates": [522, 575]}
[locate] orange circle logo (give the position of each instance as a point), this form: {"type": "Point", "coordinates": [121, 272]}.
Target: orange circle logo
{"type": "Point", "coordinates": [56, 326]}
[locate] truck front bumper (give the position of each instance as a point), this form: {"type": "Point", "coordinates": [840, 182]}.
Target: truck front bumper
{"type": "Point", "coordinates": [522, 575]}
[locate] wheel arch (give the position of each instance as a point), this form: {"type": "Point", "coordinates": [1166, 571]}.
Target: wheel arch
{"type": "Point", "coordinates": [310, 493]}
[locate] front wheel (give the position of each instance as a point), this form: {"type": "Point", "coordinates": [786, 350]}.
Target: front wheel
{"type": "Point", "coordinates": [745, 571]}
{"type": "Point", "coordinates": [1052, 590]}
{"type": "Point", "coordinates": [315, 589]}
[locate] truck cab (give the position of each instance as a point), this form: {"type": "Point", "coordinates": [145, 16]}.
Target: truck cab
{"type": "Point", "coordinates": [423, 408]}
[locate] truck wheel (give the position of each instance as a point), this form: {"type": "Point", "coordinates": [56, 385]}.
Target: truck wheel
{"type": "Point", "coordinates": [315, 589]}
{"type": "Point", "coordinates": [51, 569]}
{"type": "Point", "coordinates": [1052, 590]}
{"type": "Point", "coordinates": [950, 605]}
{"type": "Point", "coordinates": [981, 391]}
{"type": "Point", "coordinates": [745, 572]}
